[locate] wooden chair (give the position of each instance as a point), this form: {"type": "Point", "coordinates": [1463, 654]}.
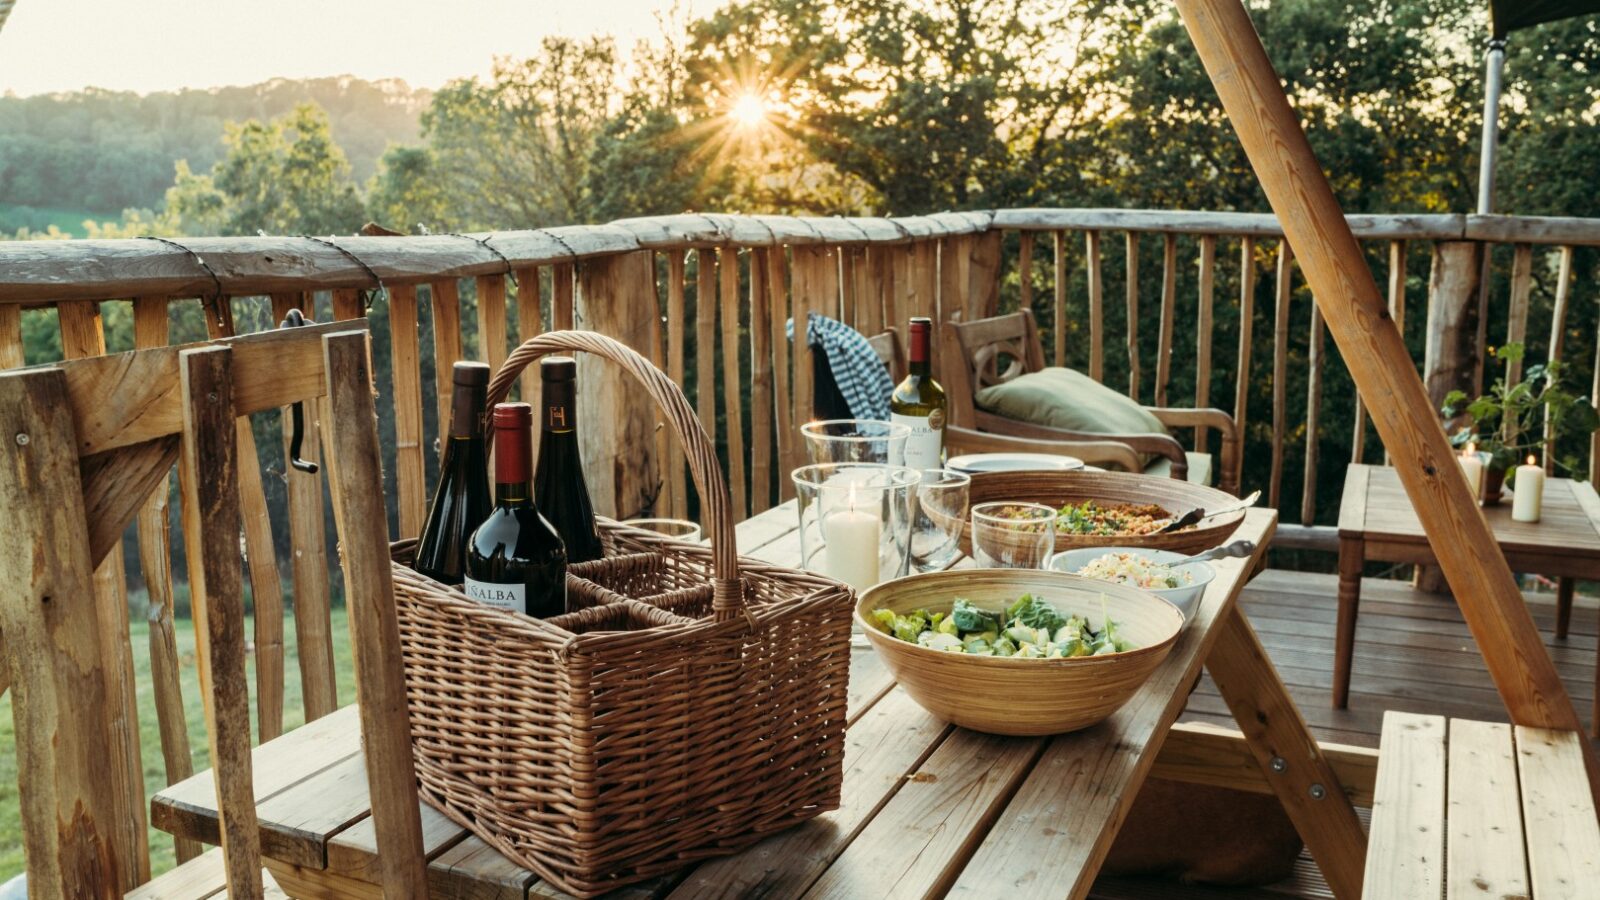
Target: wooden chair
{"type": "Point", "coordinates": [959, 440]}
{"type": "Point", "coordinates": [984, 352]}
{"type": "Point", "coordinates": [1480, 809]}
{"type": "Point", "coordinates": [90, 441]}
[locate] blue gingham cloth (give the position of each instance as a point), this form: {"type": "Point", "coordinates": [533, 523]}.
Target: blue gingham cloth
{"type": "Point", "coordinates": [860, 374]}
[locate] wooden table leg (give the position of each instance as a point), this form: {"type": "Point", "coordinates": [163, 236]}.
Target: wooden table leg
{"type": "Point", "coordinates": [1352, 556]}
{"type": "Point", "coordinates": [1288, 755]}
{"type": "Point", "coordinates": [1564, 590]}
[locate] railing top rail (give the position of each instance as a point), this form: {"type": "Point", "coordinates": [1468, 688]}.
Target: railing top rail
{"type": "Point", "coordinates": [34, 272]}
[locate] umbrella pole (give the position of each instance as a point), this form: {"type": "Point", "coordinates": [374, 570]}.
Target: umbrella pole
{"type": "Point", "coordinates": [1494, 79]}
{"type": "Point", "coordinates": [1357, 316]}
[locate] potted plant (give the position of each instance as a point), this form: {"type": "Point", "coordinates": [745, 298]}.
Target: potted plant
{"type": "Point", "coordinates": [1494, 421]}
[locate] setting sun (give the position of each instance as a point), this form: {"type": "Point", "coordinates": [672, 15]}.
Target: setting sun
{"type": "Point", "coordinates": [749, 110]}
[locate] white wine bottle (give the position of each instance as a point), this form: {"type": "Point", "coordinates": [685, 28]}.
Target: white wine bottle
{"type": "Point", "coordinates": [919, 403]}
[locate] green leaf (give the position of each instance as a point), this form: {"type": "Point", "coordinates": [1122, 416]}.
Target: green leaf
{"type": "Point", "coordinates": [1511, 352]}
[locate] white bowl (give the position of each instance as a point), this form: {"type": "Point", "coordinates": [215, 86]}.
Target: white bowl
{"type": "Point", "coordinates": [1184, 598]}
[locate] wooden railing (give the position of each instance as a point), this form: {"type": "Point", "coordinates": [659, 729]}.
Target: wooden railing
{"type": "Point", "coordinates": [707, 298]}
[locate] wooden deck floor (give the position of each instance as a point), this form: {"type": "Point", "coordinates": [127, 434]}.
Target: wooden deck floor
{"type": "Point", "coordinates": [1413, 653]}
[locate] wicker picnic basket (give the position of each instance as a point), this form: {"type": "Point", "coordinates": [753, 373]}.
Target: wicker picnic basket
{"type": "Point", "coordinates": [687, 704]}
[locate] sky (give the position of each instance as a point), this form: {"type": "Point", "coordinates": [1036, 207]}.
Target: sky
{"type": "Point", "coordinates": [155, 45]}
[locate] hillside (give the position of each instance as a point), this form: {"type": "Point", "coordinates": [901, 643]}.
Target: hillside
{"type": "Point", "coordinates": [104, 151]}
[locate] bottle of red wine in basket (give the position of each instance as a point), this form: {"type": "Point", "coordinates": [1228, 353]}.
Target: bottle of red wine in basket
{"type": "Point", "coordinates": [462, 499]}
{"type": "Point", "coordinates": [558, 481]}
{"type": "Point", "coordinates": [515, 560]}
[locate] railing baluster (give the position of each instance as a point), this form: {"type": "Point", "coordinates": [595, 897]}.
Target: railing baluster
{"type": "Point", "coordinates": [492, 320]}
{"type": "Point", "coordinates": [11, 355]}
{"type": "Point", "coordinates": [1308, 498]}
{"type": "Point", "coordinates": [761, 377]}
{"type": "Point", "coordinates": [410, 478]}
{"type": "Point", "coordinates": [1517, 314]}
{"type": "Point", "coordinates": [705, 350]}
{"type": "Point", "coordinates": [1203, 327]}
{"type": "Point", "coordinates": [1247, 321]}
{"type": "Point", "coordinates": [777, 283]}
{"type": "Point", "coordinates": [676, 478]}
{"type": "Point", "coordinates": [869, 297]}
{"type": "Point", "coordinates": [561, 303]}
{"type": "Point", "coordinates": [82, 336]}
{"type": "Point", "coordinates": [1025, 268]}
{"type": "Point", "coordinates": [1096, 306]}
{"type": "Point", "coordinates": [925, 300]}
{"type": "Point", "coordinates": [658, 357]}
{"type": "Point", "coordinates": [266, 590]}
{"type": "Point", "coordinates": [530, 324]}
{"type": "Point", "coordinates": [897, 279]}
{"type": "Point", "coordinates": [1558, 342]}
{"type": "Point", "coordinates": [1058, 241]}
{"type": "Point", "coordinates": [347, 304]}
{"type": "Point", "coordinates": [1280, 367]}
{"type": "Point", "coordinates": [732, 377]}
{"type": "Point", "coordinates": [1397, 302]}
{"type": "Point", "coordinates": [445, 301]}
{"type": "Point", "coordinates": [1169, 303]}
{"type": "Point", "coordinates": [308, 558]}
{"type": "Point", "coordinates": [1133, 314]}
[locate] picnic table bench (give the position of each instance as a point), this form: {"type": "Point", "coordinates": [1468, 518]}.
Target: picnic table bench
{"type": "Point", "coordinates": [927, 809]}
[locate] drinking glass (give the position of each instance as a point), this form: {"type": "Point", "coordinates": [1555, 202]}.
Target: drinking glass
{"type": "Point", "coordinates": [856, 441]}
{"type": "Point", "coordinates": [1011, 535]}
{"type": "Point", "coordinates": [855, 520]}
{"type": "Point", "coordinates": [681, 529]}
{"type": "Point", "coordinates": [936, 526]}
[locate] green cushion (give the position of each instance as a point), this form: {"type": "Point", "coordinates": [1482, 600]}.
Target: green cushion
{"type": "Point", "coordinates": [1199, 467]}
{"type": "Point", "coordinates": [1068, 399]}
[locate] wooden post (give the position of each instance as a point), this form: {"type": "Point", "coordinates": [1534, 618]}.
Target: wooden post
{"type": "Point", "coordinates": [619, 444]}
{"type": "Point", "coordinates": [1361, 325]}
{"type": "Point", "coordinates": [209, 475]}
{"type": "Point", "coordinates": [355, 476]}
{"type": "Point", "coordinates": [1453, 356]}
{"type": "Point", "coordinates": [73, 836]}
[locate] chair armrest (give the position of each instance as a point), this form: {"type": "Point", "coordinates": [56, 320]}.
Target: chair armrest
{"type": "Point", "coordinates": [1228, 469]}
{"type": "Point", "coordinates": [1093, 452]}
{"type": "Point", "coordinates": [1149, 442]}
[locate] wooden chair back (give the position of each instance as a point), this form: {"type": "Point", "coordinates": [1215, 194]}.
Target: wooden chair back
{"type": "Point", "coordinates": [90, 441]}
{"type": "Point", "coordinates": [975, 355]}
{"type": "Point", "coordinates": [887, 345]}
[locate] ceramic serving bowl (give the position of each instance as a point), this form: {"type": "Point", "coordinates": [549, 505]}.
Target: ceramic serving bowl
{"type": "Point", "coordinates": [1184, 597]}
{"type": "Point", "coordinates": [1022, 696]}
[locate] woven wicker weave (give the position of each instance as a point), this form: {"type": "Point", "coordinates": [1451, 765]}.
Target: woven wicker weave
{"type": "Point", "coordinates": [687, 704]}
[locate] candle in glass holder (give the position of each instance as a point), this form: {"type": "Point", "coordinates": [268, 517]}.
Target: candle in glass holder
{"type": "Point", "coordinates": [1472, 468]}
{"type": "Point", "coordinates": [1527, 502]}
{"type": "Point", "coordinates": [852, 539]}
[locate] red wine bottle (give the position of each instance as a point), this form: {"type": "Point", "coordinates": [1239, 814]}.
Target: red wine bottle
{"type": "Point", "coordinates": [461, 502]}
{"type": "Point", "coordinates": [515, 560]}
{"type": "Point", "coordinates": [558, 482]}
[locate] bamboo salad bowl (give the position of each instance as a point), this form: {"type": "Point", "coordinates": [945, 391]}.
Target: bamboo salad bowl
{"type": "Point", "coordinates": [1057, 489]}
{"type": "Point", "coordinates": [1012, 696]}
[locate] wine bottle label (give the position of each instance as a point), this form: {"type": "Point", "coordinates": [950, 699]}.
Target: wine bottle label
{"type": "Point", "coordinates": [925, 446]}
{"type": "Point", "coordinates": [505, 596]}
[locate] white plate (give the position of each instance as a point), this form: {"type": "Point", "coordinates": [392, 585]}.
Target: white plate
{"type": "Point", "coordinates": [976, 463]}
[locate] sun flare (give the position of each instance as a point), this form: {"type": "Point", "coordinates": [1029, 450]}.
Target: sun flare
{"type": "Point", "coordinates": [749, 110]}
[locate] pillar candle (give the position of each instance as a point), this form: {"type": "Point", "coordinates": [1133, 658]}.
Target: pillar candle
{"type": "Point", "coordinates": [852, 538]}
{"type": "Point", "coordinates": [1472, 467]}
{"type": "Point", "coordinates": [1528, 493]}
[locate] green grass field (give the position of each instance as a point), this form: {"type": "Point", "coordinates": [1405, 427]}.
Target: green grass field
{"type": "Point", "coordinates": [11, 858]}
{"type": "Point", "coordinates": [39, 218]}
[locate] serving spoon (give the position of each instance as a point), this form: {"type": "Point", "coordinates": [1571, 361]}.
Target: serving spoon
{"type": "Point", "coordinates": [1240, 548]}
{"type": "Point", "coordinates": [1198, 513]}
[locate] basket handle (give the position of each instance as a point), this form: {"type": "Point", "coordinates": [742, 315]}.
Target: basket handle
{"type": "Point", "coordinates": [727, 589]}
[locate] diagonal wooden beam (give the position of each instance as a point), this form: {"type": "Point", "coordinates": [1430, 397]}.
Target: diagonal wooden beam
{"type": "Point", "coordinates": [1384, 374]}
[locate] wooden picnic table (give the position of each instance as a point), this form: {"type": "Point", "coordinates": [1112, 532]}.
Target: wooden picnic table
{"type": "Point", "coordinates": [1377, 522]}
{"type": "Point", "coordinates": [927, 809]}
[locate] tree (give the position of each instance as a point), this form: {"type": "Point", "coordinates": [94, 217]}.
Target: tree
{"type": "Point", "coordinates": [513, 152]}
{"type": "Point", "coordinates": [286, 176]}
{"type": "Point", "coordinates": [406, 192]}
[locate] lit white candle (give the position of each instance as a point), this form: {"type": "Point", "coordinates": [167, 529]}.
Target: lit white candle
{"type": "Point", "coordinates": [853, 537]}
{"type": "Point", "coordinates": [1472, 467]}
{"type": "Point", "coordinates": [1528, 493]}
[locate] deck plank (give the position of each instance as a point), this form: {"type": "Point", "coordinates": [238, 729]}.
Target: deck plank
{"type": "Point", "coordinates": [1563, 834]}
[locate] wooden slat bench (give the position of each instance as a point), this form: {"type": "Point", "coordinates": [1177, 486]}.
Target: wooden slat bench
{"type": "Point", "coordinates": [1480, 809]}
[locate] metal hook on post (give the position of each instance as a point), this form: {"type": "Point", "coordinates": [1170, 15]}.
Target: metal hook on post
{"type": "Point", "coordinates": [297, 423]}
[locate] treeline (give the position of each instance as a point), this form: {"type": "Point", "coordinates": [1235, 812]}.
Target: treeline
{"type": "Point", "coordinates": [99, 152]}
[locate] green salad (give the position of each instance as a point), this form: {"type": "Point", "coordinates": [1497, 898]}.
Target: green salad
{"type": "Point", "coordinates": [1030, 628]}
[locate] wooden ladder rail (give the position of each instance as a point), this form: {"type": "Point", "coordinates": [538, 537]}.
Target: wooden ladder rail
{"type": "Point", "coordinates": [1362, 326]}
